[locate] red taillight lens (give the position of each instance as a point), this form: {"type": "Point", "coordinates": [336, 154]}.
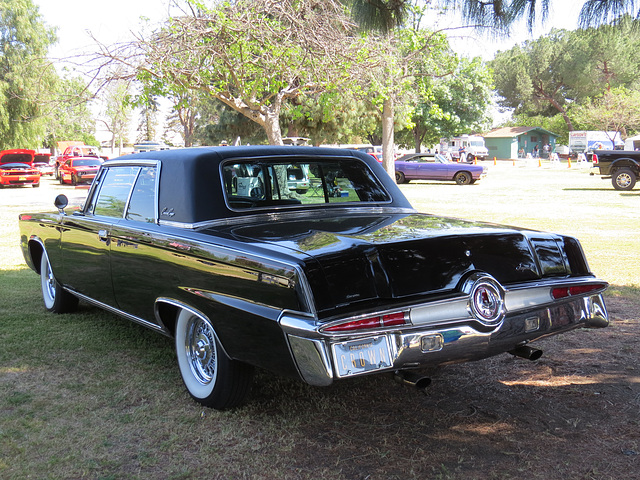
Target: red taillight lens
{"type": "Point", "coordinates": [393, 319]}
{"type": "Point", "coordinates": [389, 320]}
{"type": "Point", "coordinates": [594, 159]}
{"type": "Point", "coordinates": [573, 290]}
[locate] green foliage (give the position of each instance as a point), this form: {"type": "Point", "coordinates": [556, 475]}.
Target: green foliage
{"type": "Point", "coordinates": [68, 116]}
{"type": "Point", "coordinates": [617, 110]}
{"type": "Point", "coordinates": [450, 105]}
{"type": "Point", "coordinates": [25, 76]}
{"type": "Point", "coordinates": [556, 72]}
{"type": "Point", "coordinates": [219, 123]}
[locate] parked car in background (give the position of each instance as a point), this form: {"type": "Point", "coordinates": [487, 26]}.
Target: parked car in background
{"type": "Point", "coordinates": [320, 287]}
{"type": "Point", "coordinates": [429, 166]}
{"type": "Point", "coordinates": [78, 170]}
{"type": "Point", "coordinates": [42, 161]}
{"type": "Point", "coordinates": [16, 168]}
{"type": "Point", "coordinates": [74, 151]}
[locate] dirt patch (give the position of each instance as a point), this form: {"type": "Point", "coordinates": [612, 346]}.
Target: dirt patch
{"type": "Point", "coordinates": [573, 414]}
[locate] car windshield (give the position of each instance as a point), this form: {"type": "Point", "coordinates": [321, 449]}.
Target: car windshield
{"type": "Point", "coordinates": [254, 184]}
{"type": "Point", "coordinates": [441, 158]}
{"type": "Point", "coordinates": [85, 163]}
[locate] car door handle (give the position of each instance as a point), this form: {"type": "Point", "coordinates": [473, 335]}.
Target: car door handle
{"type": "Point", "coordinates": [103, 236]}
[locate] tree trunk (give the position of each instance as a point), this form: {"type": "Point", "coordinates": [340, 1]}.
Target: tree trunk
{"type": "Point", "coordinates": [417, 140]}
{"type": "Point", "coordinates": [272, 129]}
{"type": "Point", "coordinates": [388, 149]}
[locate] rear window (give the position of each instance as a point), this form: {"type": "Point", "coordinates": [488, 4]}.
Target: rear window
{"type": "Point", "coordinates": [255, 184]}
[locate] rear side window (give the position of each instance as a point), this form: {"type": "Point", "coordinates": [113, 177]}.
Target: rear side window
{"type": "Point", "coordinates": [142, 204]}
{"type": "Point", "coordinates": [251, 184]}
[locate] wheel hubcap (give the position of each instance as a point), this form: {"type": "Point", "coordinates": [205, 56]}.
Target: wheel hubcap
{"type": "Point", "coordinates": [201, 350]}
{"type": "Point", "coordinates": [624, 181]}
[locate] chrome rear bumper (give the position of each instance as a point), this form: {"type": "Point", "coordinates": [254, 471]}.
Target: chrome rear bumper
{"type": "Point", "coordinates": [411, 346]}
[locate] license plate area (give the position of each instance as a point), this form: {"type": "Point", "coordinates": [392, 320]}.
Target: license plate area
{"type": "Point", "coordinates": [361, 356]}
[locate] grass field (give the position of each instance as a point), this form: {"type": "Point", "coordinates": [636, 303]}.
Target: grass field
{"type": "Point", "coordinates": [89, 395]}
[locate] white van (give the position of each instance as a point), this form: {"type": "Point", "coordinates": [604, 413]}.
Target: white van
{"type": "Point", "coordinates": [465, 148]}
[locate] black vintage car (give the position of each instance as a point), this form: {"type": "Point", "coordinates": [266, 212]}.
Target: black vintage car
{"type": "Point", "coordinates": [213, 248]}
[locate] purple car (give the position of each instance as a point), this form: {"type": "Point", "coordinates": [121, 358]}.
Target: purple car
{"type": "Point", "coordinates": [428, 166]}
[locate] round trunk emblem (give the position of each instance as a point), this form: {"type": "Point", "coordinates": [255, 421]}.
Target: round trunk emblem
{"type": "Point", "coordinates": [487, 303]}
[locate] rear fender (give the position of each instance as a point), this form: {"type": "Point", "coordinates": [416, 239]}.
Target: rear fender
{"type": "Point", "coordinates": [625, 162]}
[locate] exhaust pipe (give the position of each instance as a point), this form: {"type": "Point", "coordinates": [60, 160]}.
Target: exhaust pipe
{"type": "Point", "coordinates": [524, 351]}
{"type": "Point", "coordinates": [413, 379]}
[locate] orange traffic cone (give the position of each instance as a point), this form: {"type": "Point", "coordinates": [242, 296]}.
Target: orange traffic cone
{"type": "Point", "coordinates": [494, 161]}
{"type": "Point", "coordinates": [569, 165]}
{"type": "Point", "coordinates": [539, 162]}
{"type": "Point", "coordinates": [514, 162]}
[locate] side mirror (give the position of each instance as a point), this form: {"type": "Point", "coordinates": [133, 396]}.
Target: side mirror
{"type": "Point", "coordinates": [61, 202]}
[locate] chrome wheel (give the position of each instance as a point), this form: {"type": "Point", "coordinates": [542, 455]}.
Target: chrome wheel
{"type": "Point", "coordinates": [211, 377]}
{"type": "Point", "coordinates": [200, 346]}
{"type": "Point", "coordinates": [624, 179]}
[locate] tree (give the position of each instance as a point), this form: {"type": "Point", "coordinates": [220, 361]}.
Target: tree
{"type": "Point", "coordinates": [546, 76]}
{"type": "Point", "coordinates": [536, 77]}
{"type": "Point", "coordinates": [252, 56]}
{"type": "Point", "coordinates": [389, 78]}
{"type": "Point", "coordinates": [616, 110]}
{"type": "Point", "coordinates": [117, 111]}
{"type": "Point", "coordinates": [501, 14]}
{"type": "Point", "coordinates": [67, 115]}
{"type": "Point", "coordinates": [26, 78]}
{"type": "Point", "coordinates": [148, 121]}
{"type": "Point", "coordinates": [330, 117]}
{"type": "Point", "coordinates": [451, 105]}
{"type": "Point", "coordinates": [218, 123]}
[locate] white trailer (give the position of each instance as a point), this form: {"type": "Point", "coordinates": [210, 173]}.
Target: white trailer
{"type": "Point", "coordinates": [583, 141]}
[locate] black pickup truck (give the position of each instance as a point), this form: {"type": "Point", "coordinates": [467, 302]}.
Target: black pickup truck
{"type": "Point", "coordinates": [622, 166]}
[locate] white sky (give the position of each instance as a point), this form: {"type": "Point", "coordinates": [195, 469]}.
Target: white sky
{"type": "Point", "coordinates": [110, 21]}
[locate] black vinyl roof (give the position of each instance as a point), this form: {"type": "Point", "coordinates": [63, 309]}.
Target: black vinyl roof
{"type": "Point", "coordinates": [191, 190]}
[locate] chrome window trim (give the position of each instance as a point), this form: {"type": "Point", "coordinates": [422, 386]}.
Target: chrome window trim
{"type": "Point", "coordinates": [96, 185]}
{"type": "Point", "coordinates": [296, 157]}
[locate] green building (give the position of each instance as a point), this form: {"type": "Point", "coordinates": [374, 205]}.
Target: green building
{"type": "Point", "coordinates": [517, 142]}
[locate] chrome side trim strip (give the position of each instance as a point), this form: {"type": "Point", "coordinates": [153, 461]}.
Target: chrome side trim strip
{"type": "Point", "coordinates": [145, 323]}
